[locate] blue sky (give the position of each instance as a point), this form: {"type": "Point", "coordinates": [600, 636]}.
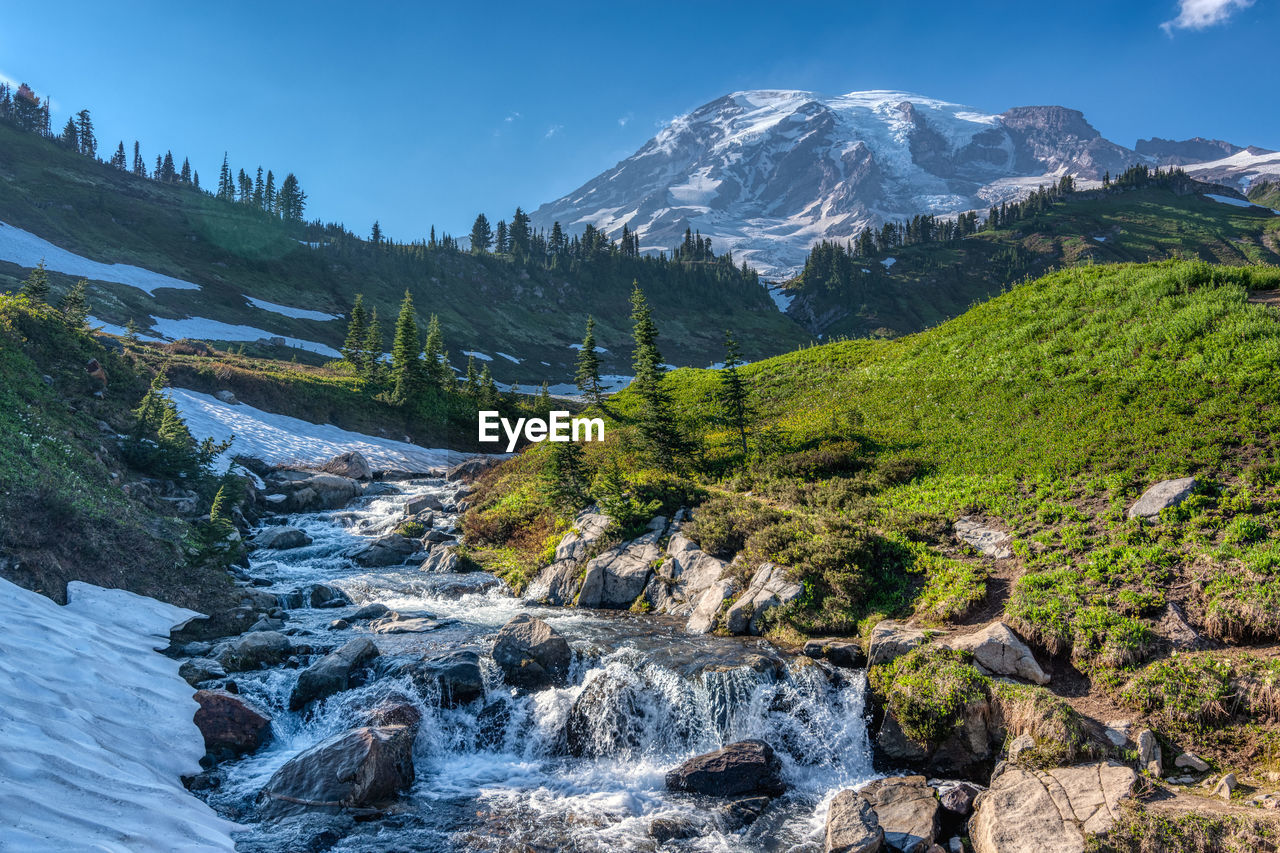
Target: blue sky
{"type": "Point", "coordinates": [419, 114]}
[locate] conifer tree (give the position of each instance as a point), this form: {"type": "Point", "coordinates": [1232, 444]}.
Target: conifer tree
{"type": "Point", "coordinates": [185, 176]}
{"type": "Point", "coordinates": [406, 366]}
{"type": "Point", "coordinates": [732, 393]}
{"type": "Point", "coordinates": [501, 241]}
{"type": "Point", "coordinates": [472, 381]}
{"type": "Point", "coordinates": [481, 235]}
{"type": "Point", "coordinates": [435, 358]}
{"type": "Point", "coordinates": [373, 348]}
{"type": "Point", "coordinates": [656, 423]}
{"type": "Point", "coordinates": [565, 477]}
{"type": "Point", "coordinates": [543, 402]}
{"type": "Point", "coordinates": [226, 190]}
{"type": "Point", "coordinates": [588, 373]}
{"type": "Point", "coordinates": [36, 285]}
{"type": "Point", "coordinates": [375, 233]}
{"type": "Point", "coordinates": [259, 191]}
{"type": "Point", "coordinates": [488, 390]}
{"type": "Point", "coordinates": [269, 193]}
{"type": "Point", "coordinates": [292, 200]}
{"type": "Point", "coordinates": [75, 304]}
{"type": "Point", "coordinates": [131, 331]}
{"type": "Point", "coordinates": [118, 159]}
{"type": "Point", "coordinates": [70, 136]}
{"type": "Point", "coordinates": [84, 131]}
{"type": "Point", "coordinates": [357, 330]}
{"type": "Point", "coordinates": [139, 167]}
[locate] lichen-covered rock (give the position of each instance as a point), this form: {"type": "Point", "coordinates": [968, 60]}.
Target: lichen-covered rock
{"type": "Point", "coordinates": [1163, 495]}
{"type": "Point", "coordinates": [616, 577]}
{"type": "Point", "coordinates": [999, 651]}
{"type": "Point", "coordinates": [907, 810]}
{"type": "Point", "coordinates": [769, 588]}
{"type": "Point", "coordinates": [852, 825]}
{"type": "Point", "coordinates": [706, 610]}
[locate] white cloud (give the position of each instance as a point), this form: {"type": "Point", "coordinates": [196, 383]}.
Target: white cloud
{"type": "Point", "coordinates": [623, 121]}
{"type": "Point", "coordinates": [512, 117]}
{"type": "Point", "coordinates": [554, 130]}
{"type": "Point", "coordinates": [1202, 14]}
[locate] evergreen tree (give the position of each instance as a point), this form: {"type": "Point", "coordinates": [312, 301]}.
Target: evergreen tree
{"type": "Point", "coordinates": [488, 390]}
{"type": "Point", "coordinates": [259, 191]}
{"type": "Point", "coordinates": [375, 234]}
{"type": "Point", "coordinates": [543, 402]}
{"type": "Point", "coordinates": [472, 386]}
{"type": "Point", "coordinates": [357, 330]}
{"type": "Point", "coordinates": [481, 235]}
{"type": "Point", "coordinates": [118, 159]}
{"type": "Point", "coordinates": [226, 190]}
{"type": "Point", "coordinates": [269, 193]}
{"type": "Point", "coordinates": [131, 331]}
{"type": "Point", "coordinates": [139, 167]}
{"type": "Point", "coordinates": [406, 366]}
{"type": "Point", "coordinates": [373, 348]}
{"type": "Point", "coordinates": [292, 200]}
{"type": "Point", "coordinates": [588, 373]}
{"type": "Point", "coordinates": [732, 393]}
{"type": "Point", "coordinates": [501, 242]}
{"type": "Point", "coordinates": [75, 304]}
{"type": "Point", "coordinates": [565, 477]}
{"type": "Point", "coordinates": [519, 233]}
{"type": "Point", "coordinates": [84, 130]}
{"type": "Point", "coordinates": [438, 372]}
{"type": "Point", "coordinates": [185, 176]}
{"type": "Point", "coordinates": [36, 285]}
{"type": "Point", "coordinates": [656, 423]}
{"type": "Point", "coordinates": [70, 136]}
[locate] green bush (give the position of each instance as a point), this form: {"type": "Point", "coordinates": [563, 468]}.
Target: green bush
{"type": "Point", "coordinates": [1184, 691]}
{"type": "Point", "coordinates": [1244, 530]}
{"type": "Point", "coordinates": [928, 690]}
{"type": "Point", "coordinates": [1104, 638]}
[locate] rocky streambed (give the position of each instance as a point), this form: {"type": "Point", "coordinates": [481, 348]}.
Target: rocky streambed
{"type": "Point", "coordinates": [381, 699]}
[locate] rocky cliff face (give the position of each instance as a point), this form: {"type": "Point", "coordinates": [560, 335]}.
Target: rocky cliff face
{"type": "Point", "coordinates": [767, 174]}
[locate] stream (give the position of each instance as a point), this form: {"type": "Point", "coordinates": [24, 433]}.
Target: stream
{"type": "Point", "coordinates": [494, 775]}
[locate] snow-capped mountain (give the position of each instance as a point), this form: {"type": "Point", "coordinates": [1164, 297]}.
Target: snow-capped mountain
{"type": "Point", "coordinates": [768, 173]}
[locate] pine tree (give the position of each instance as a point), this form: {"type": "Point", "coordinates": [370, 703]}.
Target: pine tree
{"type": "Point", "coordinates": [131, 331]}
{"type": "Point", "coordinates": [373, 348]}
{"type": "Point", "coordinates": [36, 285]}
{"type": "Point", "coordinates": [519, 233]}
{"type": "Point", "coordinates": [375, 234]}
{"type": "Point", "coordinates": [488, 390]}
{"type": "Point", "coordinates": [732, 393]}
{"type": "Point", "coordinates": [139, 167]}
{"type": "Point", "coordinates": [75, 304]}
{"type": "Point", "coordinates": [226, 190]}
{"type": "Point", "coordinates": [588, 373]}
{"type": "Point", "coordinates": [472, 386]}
{"type": "Point", "coordinates": [406, 366]}
{"type": "Point", "coordinates": [118, 159]}
{"type": "Point", "coordinates": [565, 478]}
{"type": "Point", "coordinates": [185, 176]}
{"type": "Point", "coordinates": [501, 242]}
{"type": "Point", "coordinates": [543, 402]}
{"type": "Point", "coordinates": [292, 199]}
{"type": "Point", "coordinates": [70, 136]}
{"type": "Point", "coordinates": [357, 330]}
{"type": "Point", "coordinates": [438, 372]}
{"type": "Point", "coordinates": [84, 129]}
{"type": "Point", "coordinates": [657, 423]}
{"type": "Point", "coordinates": [481, 235]}
{"type": "Point", "coordinates": [259, 191]}
{"type": "Point", "coordinates": [269, 193]}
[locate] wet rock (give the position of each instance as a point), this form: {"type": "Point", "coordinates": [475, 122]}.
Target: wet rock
{"type": "Point", "coordinates": [852, 825]}
{"type": "Point", "coordinates": [744, 812]}
{"type": "Point", "coordinates": [491, 725]}
{"type": "Point", "coordinates": [664, 829]}
{"type": "Point", "coordinates": [471, 468]}
{"type": "Point", "coordinates": [531, 654]}
{"type": "Point", "coordinates": [198, 670]}
{"type": "Point", "coordinates": [1149, 753]}
{"type": "Point", "coordinates": [890, 639]}
{"type": "Point", "coordinates": [769, 588]}
{"type": "Point", "coordinates": [339, 625]}
{"type": "Point", "coordinates": [746, 767]}
{"type": "Point", "coordinates": [324, 595]}
{"type": "Point", "coordinates": [456, 674]}
{"type": "Point", "coordinates": [616, 578]}
{"type": "Point", "coordinates": [607, 717]}
{"type": "Point", "coordinates": [999, 651]}
{"type": "Point", "coordinates": [253, 650]}
{"type": "Point", "coordinates": [280, 538]}
{"type": "Point", "coordinates": [364, 768]}
{"type": "Point", "coordinates": [390, 550]}
{"type": "Point", "coordinates": [706, 610]}
{"type": "Point", "coordinates": [422, 503]}
{"type": "Point", "coordinates": [352, 465]}
{"type": "Point", "coordinates": [993, 543]}
{"type": "Point", "coordinates": [406, 622]}
{"type": "Point", "coordinates": [1163, 495]}
{"type": "Point", "coordinates": [333, 673]}
{"type": "Point", "coordinates": [907, 811]}
{"type": "Point", "coordinates": [267, 624]}
{"type": "Point", "coordinates": [841, 653]}
{"type": "Point", "coordinates": [309, 494]}
{"type": "Point", "coordinates": [471, 583]}
{"type": "Point", "coordinates": [396, 710]}
{"type": "Point", "coordinates": [1191, 761]}
{"type": "Point", "coordinates": [231, 725]}
{"type": "Point", "coordinates": [442, 559]}
{"type": "Point", "coordinates": [1049, 812]}
{"type": "Point", "coordinates": [373, 610]}
{"type": "Point", "coordinates": [957, 797]}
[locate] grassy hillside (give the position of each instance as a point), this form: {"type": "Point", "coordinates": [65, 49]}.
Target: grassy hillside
{"type": "Point", "coordinates": [1045, 412]}
{"type": "Point", "coordinates": [931, 282]}
{"type": "Point", "coordinates": [485, 303]}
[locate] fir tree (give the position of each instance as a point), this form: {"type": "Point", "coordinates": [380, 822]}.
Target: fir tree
{"type": "Point", "coordinates": [75, 304]}
{"type": "Point", "coordinates": [406, 366]}
{"type": "Point", "coordinates": [501, 241]}
{"type": "Point", "coordinates": [519, 233]}
{"type": "Point", "coordinates": [292, 200]}
{"type": "Point", "coordinates": [435, 359]}
{"type": "Point", "coordinates": [185, 176]}
{"type": "Point", "coordinates": [481, 235]}
{"type": "Point", "coordinates": [373, 348]}
{"type": "Point", "coordinates": [70, 136]}
{"type": "Point", "coordinates": [36, 285]}
{"type": "Point", "coordinates": [472, 381]}
{"type": "Point", "coordinates": [226, 190]}
{"type": "Point", "coordinates": [84, 131]}
{"type": "Point", "coordinates": [131, 331]}
{"type": "Point", "coordinates": [732, 393]}
{"type": "Point", "coordinates": [139, 167]}
{"type": "Point", "coordinates": [375, 234]}
{"type": "Point", "coordinates": [269, 193]}
{"type": "Point", "coordinates": [565, 478]}
{"type": "Point", "coordinates": [588, 373]}
{"type": "Point", "coordinates": [543, 402]}
{"type": "Point", "coordinates": [357, 330]}
{"type": "Point", "coordinates": [656, 423]}
{"type": "Point", "coordinates": [488, 390]}
{"type": "Point", "coordinates": [118, 159]}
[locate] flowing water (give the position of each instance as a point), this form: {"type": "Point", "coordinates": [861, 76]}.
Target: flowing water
{"type": "Point", "coordinates": [496, 775]}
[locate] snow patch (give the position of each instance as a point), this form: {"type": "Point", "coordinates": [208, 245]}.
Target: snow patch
{"type": "Point", "coordinates": [781, 297]}
{"type": "Point", "coordinates": [295, 313]}
{"type": "Point", "coordinates": [204, 329]}
{"type": "Point", "coordinates": [477, 354]}
{"type": "Point", "coordinates": [510, 358]}
{"type": "Point", "coordinates": [96, 727]}
{"type": "Point", "coordinates": [27, 250]}
{"type": "Point", "coordinates": [579, 348]}
{"type": "Point", "coordinates": [1235, 202]}
{"type": "Point", "coordinates": [282, 440]}
{"type": "Point", "coordinates": [118, 331]}
{"type": "Point", "coordinates": [1101, 239]}
{"type": "Point", "coordinates": [888, 262]}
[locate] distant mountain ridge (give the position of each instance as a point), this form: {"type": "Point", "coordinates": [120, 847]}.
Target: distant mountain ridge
{"type": "Point", "coordinates": [768, 173]}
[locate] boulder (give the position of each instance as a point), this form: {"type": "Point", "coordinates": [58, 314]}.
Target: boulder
{"type": "Point", "coordinates": [907, 810]}
{"type": "Point", "coordinates": [471, 468]}
{"type": "Point", "coordinates": [1016, 747]}
{"type": "Point", "coordinates": [227, 397]}
{"type": "Point", "coordinates": [253, 650]}
{"type": "Point", "coordinates": [890, 639]}
{"type": "Point", "coordinates": [664, 829]}
{"type": "Point", "coordinates": [316, 492]}
{"type": "Point", "coordinates": [333, 673]}
{"type": "Point", "coordinates": [957, 797]}
{"type": "Point", "coordinates": [352, 465]}
{"type": "Point", "coordinates": [999, 651]}
{"type": "Point", "coordinates": [531, 654]}
{"type": "Point", "coordinates": [373, 610]}
{"type": "Point", "coordinates": [1163, 495]}
{"type": "Point", "coordinates": [769, 588]}
{"type": "Point", "coordinates": [406, 622]}
{"type": "Point", "coordinates": [1226, 786]}
{"type": "Point", "coordinates": [324, 595]}
{"type": "Point", "coordinates": [442, 559]}
{"type": "Point", "coordinates": [588, 529]}
{"type": "Point", "coordinates": [745, 767]}
{"type": "Point", "coordinates": [422, 503]}
{"type": "Point", "coordinates": [390, 550]}
{"type": "Point", "coordinates": [1149, 757]}
{"type": "Point", "coordinates": [1048, 811]}
{"type": "Point", "coordinates": [993, 543]}
{"type": "Point", "coordinates": [456, 674]}
{"type": "Point", "coordinates": [231, 725]}
{"type": "Point", "coordinates": [1191, 761]}
{"type": "Point", "coordinates": [198, 670]}
{"type": "Point", "coordinates": [841, 653]}
{"type": "Point", "coordinates": [360, 769]}
{"type": "Point", "coordinates": [280, 538]}
{"type": "Point", "coordinates": [395, 710]}
{"type": "Point", "coordinates": [852, 825]}
{"type": "Point", "coordinates": [706, 609]}
{"type": "Point", "coordinates": [558, 583]}
{"type": "Point", "coordinates": [616, 578]}
{"type": "Point", "coordinates": [685, 574]}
